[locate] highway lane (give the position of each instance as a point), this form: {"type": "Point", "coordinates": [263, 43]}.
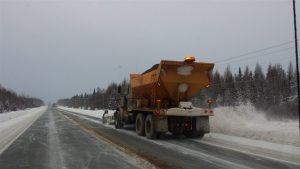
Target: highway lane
{"type": "Point", "coordinates": [54, 142]}
{"type": "Point", "coordinates": [61, 139]}
{"type": "Point", "coordinates": [178, 152]}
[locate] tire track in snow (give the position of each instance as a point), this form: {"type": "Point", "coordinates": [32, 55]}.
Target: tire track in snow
{"type": "Point", "coordinates": [56, 159]}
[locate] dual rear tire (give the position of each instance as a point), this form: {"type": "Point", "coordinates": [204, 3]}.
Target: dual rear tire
{"type": "Point", "coordinates": [140, 124]}
{"type": "Point", "coordinates": [145, 126]}
{"type": "Point", "coordinates": [150, 127]}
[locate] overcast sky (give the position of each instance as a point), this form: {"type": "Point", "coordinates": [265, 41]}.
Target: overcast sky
{"type": "Point", "coordinates": [54, 49]}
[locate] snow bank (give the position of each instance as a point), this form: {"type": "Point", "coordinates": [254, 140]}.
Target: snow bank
{"type": "Point", "coordinates": [13, 124]}
{"type": "Point", "coordinates": [246, 121]}
{"type": "Point", "coordinates": [93, 113]}
{"type": "Point", "coordinates": [254, 143]}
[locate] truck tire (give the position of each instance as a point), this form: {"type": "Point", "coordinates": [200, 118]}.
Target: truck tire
{"type": "Point", "coordinates": [150, 127]}
{"type": "Point", "coordinates": [140, 124]}
{"type": "Point", "coordinates": [118, 123]}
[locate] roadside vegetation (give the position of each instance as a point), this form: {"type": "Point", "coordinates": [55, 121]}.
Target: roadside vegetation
{"type": "Point", "coordinates": [10, 101]}
{"type": "Point", "coordinates": [273, 92]}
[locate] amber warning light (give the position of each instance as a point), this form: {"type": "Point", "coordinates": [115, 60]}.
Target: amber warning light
{"type": "Point", "coordinates": [189, 59]}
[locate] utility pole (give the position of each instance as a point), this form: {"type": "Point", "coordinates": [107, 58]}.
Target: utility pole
{"type": "Point", "coordinates": [297, 64]}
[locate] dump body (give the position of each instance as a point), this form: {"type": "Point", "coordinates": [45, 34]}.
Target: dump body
{"type": "Point", "coordinates": [170, 82]}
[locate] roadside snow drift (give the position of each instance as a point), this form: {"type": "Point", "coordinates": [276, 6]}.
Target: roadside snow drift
{"type": "Point", "coordinates": [246, 121]}
{"type": "Point", "coordinates": [13, 124]}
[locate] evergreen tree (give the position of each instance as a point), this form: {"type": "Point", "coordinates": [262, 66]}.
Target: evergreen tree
{"type": "Point", "coordinates": [215, 87]}
{"type": "Point", "coordinates": [239, 86]}
{"type": "Point", "coordinates": [246, 85]}
{"type": "Point", "coordinates": [230, 91]}
{"type": "Point", "coordinates": [291, 81]}
{"type": "Point", "coordinates": [259, 87]}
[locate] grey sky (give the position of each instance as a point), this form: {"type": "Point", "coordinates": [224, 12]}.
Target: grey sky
{"type": "Point", "coordinates": [54, 49]}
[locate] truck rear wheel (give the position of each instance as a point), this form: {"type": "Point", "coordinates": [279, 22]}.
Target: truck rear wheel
{"type": "Point", "coordinates": [150, 127]}
{"type": "Point", "coordinates": [118, 123]}
{"type": "Point", "coordinates": [140, 124]}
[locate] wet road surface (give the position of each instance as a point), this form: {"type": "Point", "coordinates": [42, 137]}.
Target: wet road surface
{"type": "Point", "coordinates": [54, 142]}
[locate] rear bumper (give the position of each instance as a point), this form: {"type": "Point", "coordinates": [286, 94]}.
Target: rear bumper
{"type": "Point", "coordinates": [194, 112]}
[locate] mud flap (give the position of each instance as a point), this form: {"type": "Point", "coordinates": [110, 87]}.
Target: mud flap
{"type": "Point", "coordinates": [202, 124]}
{"type": "Point", "coordinates": [161, 125]}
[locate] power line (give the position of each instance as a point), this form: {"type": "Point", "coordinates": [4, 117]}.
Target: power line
{"type": "Point", "coordinates": [254, 52]}
{"type": "Point", "coordinates": [250, 57]}
{"type": "Point", "coordinates": [277, 59]}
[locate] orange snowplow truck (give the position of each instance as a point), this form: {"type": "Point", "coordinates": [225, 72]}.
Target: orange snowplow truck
{"type": "Point", "coordinates": [157, 101]}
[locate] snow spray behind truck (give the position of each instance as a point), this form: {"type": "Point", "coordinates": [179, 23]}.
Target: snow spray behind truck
{"type": "Point", "coordinates": [157, 101]}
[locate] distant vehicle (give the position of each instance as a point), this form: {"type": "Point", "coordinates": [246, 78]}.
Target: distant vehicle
{"type": "Point", "coordinates": [158, 99]}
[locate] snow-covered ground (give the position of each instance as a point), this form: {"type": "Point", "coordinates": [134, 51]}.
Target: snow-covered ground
{"type": "Point", "coordinates": [93, 113]}
{"type": "Point", "coordinates": [13, 124]}
{"type": "Point", "coordinates": [246, 121]}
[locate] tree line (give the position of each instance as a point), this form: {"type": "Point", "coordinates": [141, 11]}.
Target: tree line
{"type": "Point", "coordinates": [98, 99]}
{"type": "Point", "coordinates": [274, 91]}
{"type": "Point", "coordinates": [10, 101]}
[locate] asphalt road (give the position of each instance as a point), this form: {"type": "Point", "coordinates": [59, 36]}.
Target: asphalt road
{"type": "Point", "coordinates": [54, 142]}
{"type": "Point", "coordinates": [61, 139]}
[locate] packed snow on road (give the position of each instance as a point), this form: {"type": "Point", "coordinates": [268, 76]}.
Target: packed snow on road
{"type": "Point", "coordinates": [13, 124]}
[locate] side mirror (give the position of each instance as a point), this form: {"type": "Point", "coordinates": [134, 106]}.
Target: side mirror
{"type": "Point", "coordinates": [106, 112]}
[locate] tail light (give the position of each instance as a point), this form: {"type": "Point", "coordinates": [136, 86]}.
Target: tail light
{"type": "Point", "coordinates": [186, 125]}
{"type": "Point", "coordinates": [210, 102]}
